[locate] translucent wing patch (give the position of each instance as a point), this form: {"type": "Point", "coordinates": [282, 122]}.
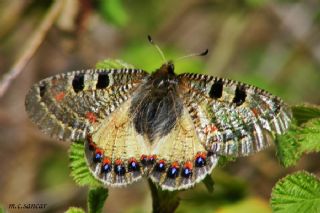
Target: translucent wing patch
{"type": "Point", "coordinates": [66, 106]}
{"type": "Point", "coordinates": [181, 159]}
{"type": "Point", "coordinates": [232, 118]}
{"type": "Point", "coordinates": [115, 151]}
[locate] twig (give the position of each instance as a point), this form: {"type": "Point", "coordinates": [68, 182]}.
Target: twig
{"type": "Point", "coordinates": [163, 201]}
{"type": "Point", "coordinates": [10, 15]}
{"type": "Point", "coordinates": [32, 45]}
{"type": "Point", "coordinates": [227, 43]}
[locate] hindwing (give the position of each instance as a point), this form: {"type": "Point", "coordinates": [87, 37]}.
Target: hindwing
{"type": "Point", "coordinates": [181, 160]}
{"type": "Point", "coordinates": [114, 150]}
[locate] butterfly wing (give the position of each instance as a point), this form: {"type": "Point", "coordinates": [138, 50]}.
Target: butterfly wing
{"type": "Point", "coordinates": [114, 150]}
{"type": "Point", "coordinates": [232, 118]}
{"type": "Point", "coordinates": [66, 105]}
{"type": "Point", "coordinates": [93, 106]}
{"type": "Point", "coordinates": [181, 159]}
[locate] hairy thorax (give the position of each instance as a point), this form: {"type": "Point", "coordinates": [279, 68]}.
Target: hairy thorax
{"type": "Point", "coordinates": [156, 105]}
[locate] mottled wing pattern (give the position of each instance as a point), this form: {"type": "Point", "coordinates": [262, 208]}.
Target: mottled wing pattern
{"type": "Point", "coordinates": [232, 118]}
{"type": "Point", "coordinates": [67, 105]}
{"type": "Point", "coordinates": [93, 105]}
{"type": "Point", "coordinates": [170, 129]}
{"type": "Point", "coordinates": [181, 160]}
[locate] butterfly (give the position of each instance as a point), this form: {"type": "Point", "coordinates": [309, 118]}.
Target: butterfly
{"type": "Point", "coordinates": [168, 127]}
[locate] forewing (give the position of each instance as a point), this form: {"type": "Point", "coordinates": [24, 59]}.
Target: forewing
{"type": "Point", "coordinates": [181, 159]}
{"type": "Point", "coordinates": [66, 106]}
{"type": "Point", "coordinates": [232, 118]}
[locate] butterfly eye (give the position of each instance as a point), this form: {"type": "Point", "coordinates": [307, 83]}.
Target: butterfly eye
{"type": "Point", "coordinates": [171, 68]}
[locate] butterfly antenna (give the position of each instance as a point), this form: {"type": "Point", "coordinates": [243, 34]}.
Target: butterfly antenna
{"type": "Point", "coordinates": [193, 54]}
{"type": "Point", "coordinates": [158, 49]}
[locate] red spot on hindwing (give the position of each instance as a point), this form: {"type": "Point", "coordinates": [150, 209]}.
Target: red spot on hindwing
{"type": "Point", "coordinates": [152, 157]}
{"type": "Point", "coordinates": [162, 161]}
{"type": "Point", "coordinates": [132, 160]}
{"type": "Point", "coordinates": [175, 164]}
{"type": "Point", "coordinates": [99, 151]}
{"type": "Point", "coordinates": [203, 155]}
{"type": "Point", "coordinates": [118, 162]}
{"type": "Point", "coordinates": [188, 165]}
{"type": "Point", "coordinates": [106, 161]}
{"type": "Point", "coordinates": [143, 157]}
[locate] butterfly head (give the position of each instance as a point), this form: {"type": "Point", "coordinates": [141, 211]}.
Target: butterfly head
{"type": "Point", "coordinates": [165, 71]}
{"type": "Point", "coordinates": [168, 68]}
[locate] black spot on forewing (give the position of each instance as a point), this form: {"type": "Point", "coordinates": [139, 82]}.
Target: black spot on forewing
{"type": "Point", "coordinates": [103, 81]}
{"type": "Point", "coordinates": [239, 95]}
{"type": "Point", "coordinates": [42, 89]}
{"type": "Point", "coordinates": [78, 82]}
{"type": "Point", "coordinates": [216, 89]}
{"type": "Point", "coordinates": [276, 105]}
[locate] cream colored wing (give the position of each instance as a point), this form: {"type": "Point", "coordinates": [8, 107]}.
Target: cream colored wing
{"type": "Point", "coordinates": [116, 154]}
{"type": "Point", "coordinates": [181, 159]}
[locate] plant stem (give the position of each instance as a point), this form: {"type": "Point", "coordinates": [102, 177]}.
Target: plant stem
{"type": "Point", "coordinates": [163, 201]}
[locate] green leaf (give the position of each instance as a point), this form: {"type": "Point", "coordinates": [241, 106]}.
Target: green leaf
{"type": "Point", "coordinates": [302, 137]}
{"type": "Point", "coordinates": [304, 112]}
{"type": "Point", "coordinates": [297, 141]}
{"type": "Point", "coordinates": [113, 64]}
{"type": "Point", "coordinates": [299, 192]}
{"type": "Point", "coordinates": [79, 168]}
{"type": "Point", "coordinates": [75, 210]}
{"type": "Point", "coordinates": [96, 199]}
{"type": "Point", "coordinates": [113, 11]}
{"type": "Point", "coordinates": [224, 160]}
{"type": "Point", "coordinates": [2, 210]}
{"type": "Point", "coordinates": [287, 147]}
{"type": "Point", "coordinates": [309, 136]}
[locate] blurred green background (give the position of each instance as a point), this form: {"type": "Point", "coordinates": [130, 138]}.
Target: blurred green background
{"type": "Point", "coordinates": [272, 44]}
